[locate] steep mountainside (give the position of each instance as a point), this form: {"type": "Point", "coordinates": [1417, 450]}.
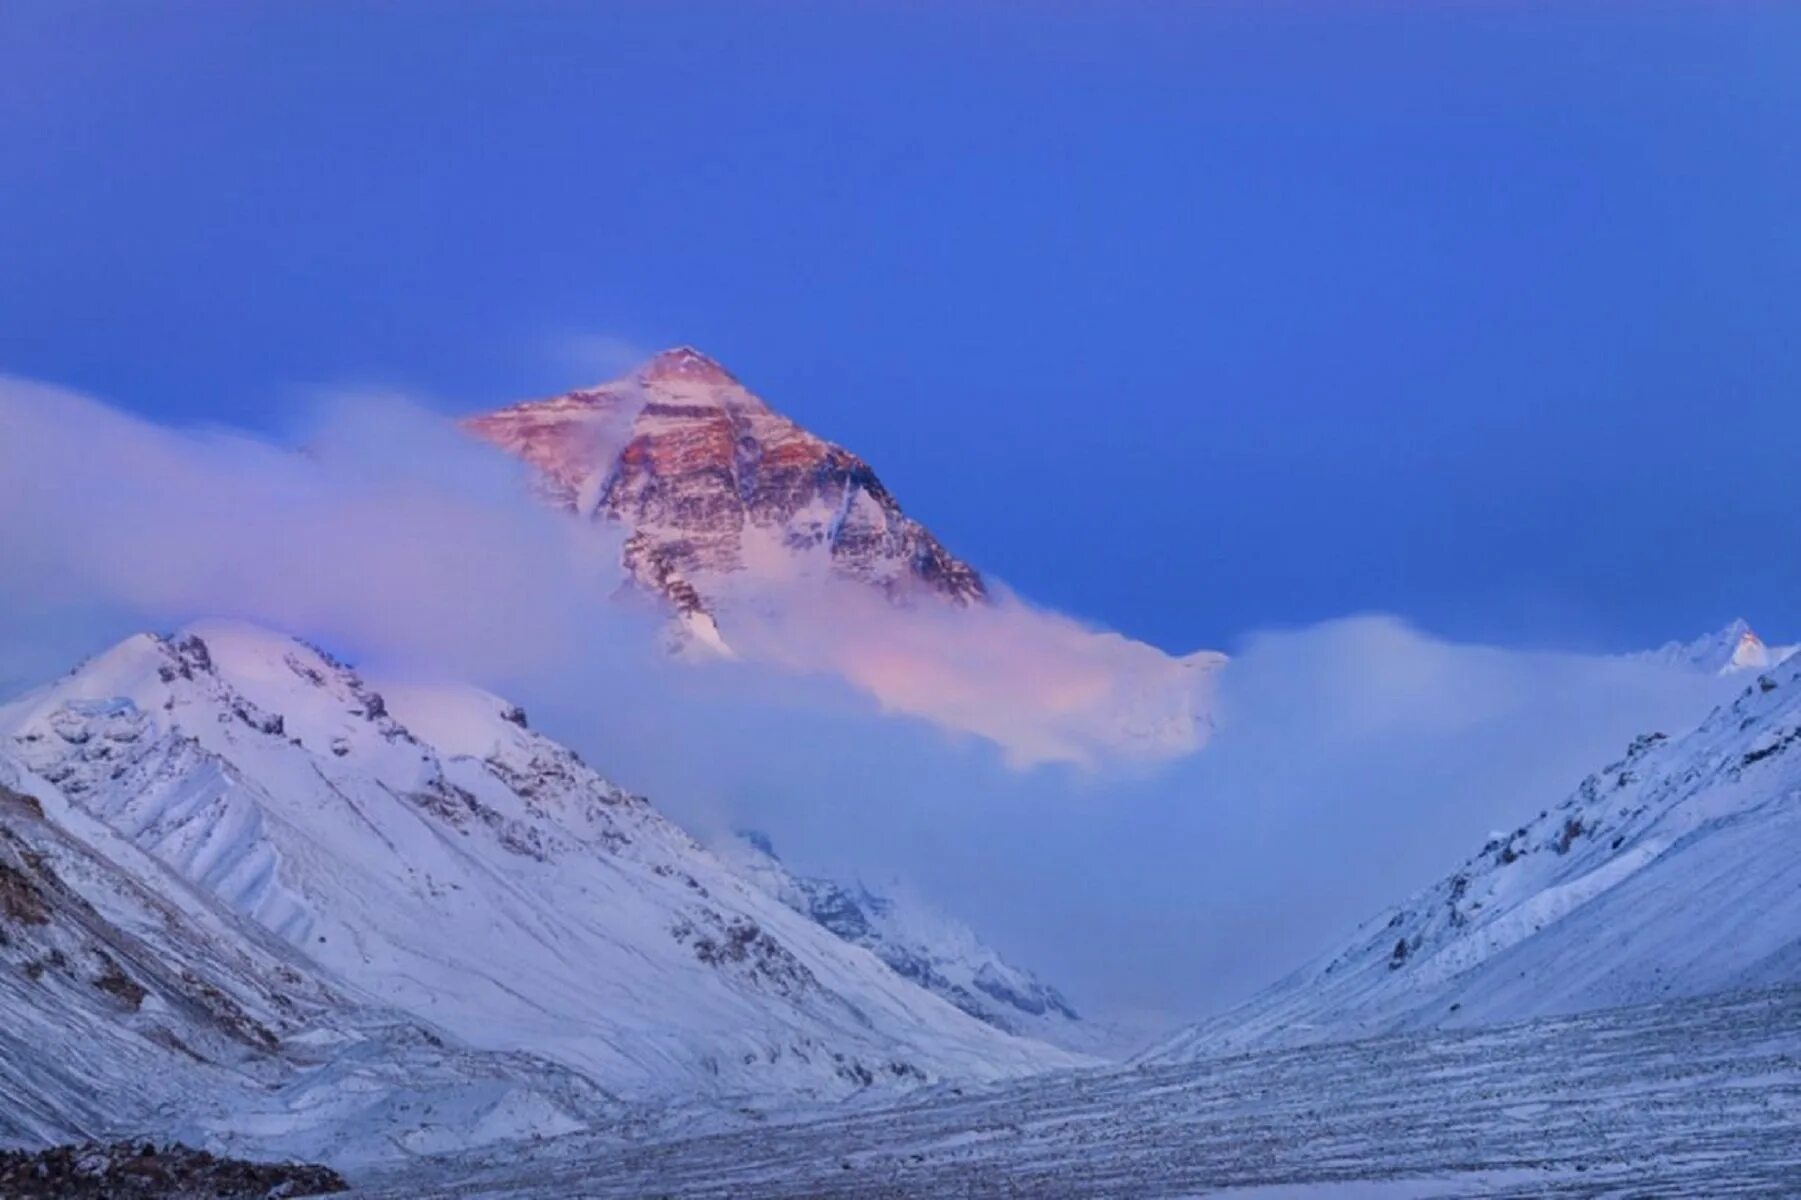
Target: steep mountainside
{"type": "Point", "coordinates": [935, 951]}
{"type": "Point", "coordinates": [135, 1004]}
{"type": "Point", "coordinates": [424, 845]}
{"type": "Point", "coordinates": [1669, 873]}
{"type": "Point", "coordinates": [709, 482]}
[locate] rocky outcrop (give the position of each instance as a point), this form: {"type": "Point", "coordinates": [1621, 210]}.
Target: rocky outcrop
{"type": "Point", "coordinates": [711, 486]}
{"type": "Point", "coordinates": [169, 1172]}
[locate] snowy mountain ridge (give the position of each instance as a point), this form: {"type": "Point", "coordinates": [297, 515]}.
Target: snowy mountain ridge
{"type": "Point", "coordinates": [1732, 649]}
{"type": "Point", "coordinates": [420, 848]}
{"type": "Point", "coordinates": [712, 486]}
{"type": "Point", "coordinates": [1668, 873]}
{"type": "Point", "coordinates": [936, 951]}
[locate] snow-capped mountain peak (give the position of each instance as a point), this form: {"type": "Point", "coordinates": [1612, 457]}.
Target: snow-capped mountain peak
{"type": "Point", "coordinates": [685, 364]}
{"type": "Point", "coordinates": [424, 845]}
{"type": "Point", "coordinates": [773, 545]}
{"type": "Point", "coordinates": [1734, 648]}
{"type": "Point", "coordinates": [716, 491]}
{"type": "Point", "coordinates": [1668, 873]}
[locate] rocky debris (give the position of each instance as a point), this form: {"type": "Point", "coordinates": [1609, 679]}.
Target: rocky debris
{"type": "Point", "coordinates": [167, 1172]}
{"type": "Point", "coordinates": [20, 899]}
{"type": "Point", "coordinates": [118, 983]}
{"type": "Point", "coordinates": [745, 945]}
{"type": "Point", "coordinates": [1693, 1100]}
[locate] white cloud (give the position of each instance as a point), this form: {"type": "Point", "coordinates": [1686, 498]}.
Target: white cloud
{"type": "Point", "coordinates": [1041, 686]}
{"type": "Point", "coordinates": [1353, 760]}
{"type": "Point", "coordinates": [596, 357]}
{"type": "Point", "coordinates": [392, 533]}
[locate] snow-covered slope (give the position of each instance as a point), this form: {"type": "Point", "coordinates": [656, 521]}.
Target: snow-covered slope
{"type": "Point", "coordinates": [934, 950]}
{"type": "Point", "coordinates": [424, 845]}
{"type": "Point", "coordinates": [135, 1004]}
{"type": "Point", "coordinates": [1672, 872]}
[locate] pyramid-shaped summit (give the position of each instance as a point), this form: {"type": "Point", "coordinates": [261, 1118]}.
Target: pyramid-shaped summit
{"type": "Point", "coordinates": [1733, 648]}
{"type": "Point", "coordinates": [685, 363]}
{"type": "Point", "coordinates": [720, 494]}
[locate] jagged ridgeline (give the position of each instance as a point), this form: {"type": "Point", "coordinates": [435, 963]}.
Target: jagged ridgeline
{"type": "Point", "coordinates": [243, 884]}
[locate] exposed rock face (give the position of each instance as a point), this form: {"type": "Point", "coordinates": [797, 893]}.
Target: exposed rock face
{"type": "Point", "coordinates": [771, 544]}
{"type": "Point", "coordinates": [710, 484]}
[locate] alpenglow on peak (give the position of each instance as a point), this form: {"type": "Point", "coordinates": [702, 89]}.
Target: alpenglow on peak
{"type": "Point", "coordinates": [716, 490]}
{"type": "Point", "coordinates": [685, 363]}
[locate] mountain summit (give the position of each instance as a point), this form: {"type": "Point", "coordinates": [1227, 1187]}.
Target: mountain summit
{"type": "Point", "coordinates": [771, 544]}
{"type": "Point", "coordinates": [423, 847]}
{"type": "Point", "coordinates": [714, 488]}
{"type": "Point", "coordinates": [1734, 648]}
{"type": "Point", "coordinates": [686, 363]}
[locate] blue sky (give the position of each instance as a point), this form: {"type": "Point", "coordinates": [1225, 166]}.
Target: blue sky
{"type": "Point", "coordinates": [1189, 319]}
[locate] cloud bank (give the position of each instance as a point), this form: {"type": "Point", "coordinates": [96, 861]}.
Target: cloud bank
{"type": "Point", "coordinates": [389, 533]}
{"type": "Point", "coordinates": [1352, 761]}
{"type": "Point", "coordinates": [1042, 687]}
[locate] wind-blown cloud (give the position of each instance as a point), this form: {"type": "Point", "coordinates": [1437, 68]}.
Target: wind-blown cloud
{"type": "Point", "coordinates": [1041, 686]}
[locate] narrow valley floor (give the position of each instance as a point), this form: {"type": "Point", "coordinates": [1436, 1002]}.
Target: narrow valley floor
{"type": "Point", "coordinates": [1697, 1098]}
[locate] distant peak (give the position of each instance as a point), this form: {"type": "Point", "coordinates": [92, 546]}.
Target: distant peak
{"type": "Point", "coordinates": [686, 364]}
{"type": "Point", "coordinates": [1734, 648]}
{"type": "Point", "coordinates": [1748, 650]}
{"type": "Point", "coordinates": [1741, 639]}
